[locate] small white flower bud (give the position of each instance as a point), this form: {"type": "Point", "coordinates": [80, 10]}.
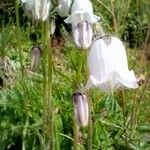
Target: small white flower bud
{"type": "Point", "coordinates": [35, 58]}
{"type": "Point", "coordinates": [81, 108]}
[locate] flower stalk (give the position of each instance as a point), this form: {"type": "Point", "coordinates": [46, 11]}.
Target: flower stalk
{"type": "Point", "coordinates": [47, 87]}
{"type": "Point", "coordinates": [25, 89]}
{"type": "Point", "coordinates": [90, 128]}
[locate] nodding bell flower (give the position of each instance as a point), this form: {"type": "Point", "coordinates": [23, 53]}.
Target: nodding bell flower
{"type": "Point", "coordinates": [108, 66]}
{"type": "Point", "coordinates": [42, 9]}
{"type": "Point", "coordinates": [81, 108]}
{"type": "Point", "coordinates": [82, 10]}
{"type": "Point", "coordinates": [82, 34]}
{"type": "Point", "coordinates": [35, 55]}
{"type": "Point", "coordinates": [82, 18]}
{"type": "Point", "coordinates": [63, 7]}
{"type": "Point", "coordinates": [39, 8]}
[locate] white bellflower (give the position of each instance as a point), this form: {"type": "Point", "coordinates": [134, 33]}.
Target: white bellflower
{"type": "Point", "coordinates": [82, 10]}
{"type": "Point", "coordinates": [39, 8]}
{"type": "Point", "coordinates": [108, 66]}
{"type": "Point", "coordinates": [81, 19]}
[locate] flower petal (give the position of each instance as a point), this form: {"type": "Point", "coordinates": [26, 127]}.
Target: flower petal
{"type": "Point", "coordinates": [78, 17]}
{"type": "Point", "coordinates": [82, 11]}
{"type": "Point", "coordinates": [82, 34]}
{"type": "Point", "coordinates": [108, 66]}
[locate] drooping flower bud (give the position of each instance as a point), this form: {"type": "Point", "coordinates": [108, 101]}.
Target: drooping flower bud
{"type": "Point", "coordinates": [108, 66]}
{"type": "Point", "coordinates": [82, 34]}
{"type": "Point", "coordinates": [35, 55]}
{"type": "Point", "coordinates": [81, 108]}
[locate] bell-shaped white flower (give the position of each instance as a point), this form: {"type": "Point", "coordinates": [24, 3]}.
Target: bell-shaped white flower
{"type": "Point", "coordinates": [108, 66]}
{"type": "Point", "coordinates": [82, 10]}
{"type": "Point", "coordinates": [63, 7]}
{"type": "Point", "coordinates": [81, 109]}
{"type": "Point", "coordinates": [82, 34]}
{"type": "Point", "coordinates": [41, 9]}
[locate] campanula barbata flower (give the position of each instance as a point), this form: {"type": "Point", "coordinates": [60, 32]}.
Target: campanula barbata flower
{"type": "Point", "coordinates": [81, 108]}
{"type": "Point", "coordinates": [108, 66]}
{"type": "Point", "coordinates": [63, 7]}
{"type": "Point", "coordinates": [81, 19]}
{"type": "Point", "coordinates": [39, 8]}
{"type": "Point", "coordinates": [82, 10]}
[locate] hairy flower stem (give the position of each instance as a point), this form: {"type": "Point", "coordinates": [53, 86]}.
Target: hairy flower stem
{"type": "Point", "coordinates": [136, 103]}
{"type": "Point", "coordinates": [25, 89]}
{"type": "Point", "coordinates": [75, 130]}
{"type": "Point", "coordinates": [47, 87]}
{"type": "Point", "coordinates": [114, 17]}
{"type": "Point", "coordinates": [124, 117]}
{"type": "Point", "coordinates": [90, 128]}
{"type": "Point", "coordinates": [18, 37]}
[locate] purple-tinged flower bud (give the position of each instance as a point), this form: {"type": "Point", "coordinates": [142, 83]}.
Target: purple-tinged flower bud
{"type": "Point", "coordinates": [81, 108]}
{"type": "Point", "coordinates": [35, 58]}
{"type": "Point", "coordinates": [82, 34]}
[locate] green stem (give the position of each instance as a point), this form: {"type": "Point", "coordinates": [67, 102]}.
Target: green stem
{"type": "Point", "coordinates": [124, 117]}
{"type": "Point", "coordinates": [90, 129]}
{"type": "Point", "coordinates": [18, 37]}
{"type": "Point", "coordinates": [47, 87]}
{"type": "Point", "coordinates": [26, 92]}
{"type": "Point", "coordinates": [75, 130]}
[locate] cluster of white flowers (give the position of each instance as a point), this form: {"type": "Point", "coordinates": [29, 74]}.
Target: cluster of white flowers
{"type": "Point", "coordinates": [107, 61]}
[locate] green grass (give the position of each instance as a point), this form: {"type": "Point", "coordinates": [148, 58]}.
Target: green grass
{"type": "Point", "coordinates": [119, 122]}
{"type": "Point", "coordinates": [108, 125]}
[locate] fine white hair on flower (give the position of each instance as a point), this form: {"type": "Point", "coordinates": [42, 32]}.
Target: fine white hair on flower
{"type": "Point", "coordinates": [82, 10]}
{"type": "Point", "coordinates": [108, 66]}
{"type": "Point", "coordinates": [63, 7]}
